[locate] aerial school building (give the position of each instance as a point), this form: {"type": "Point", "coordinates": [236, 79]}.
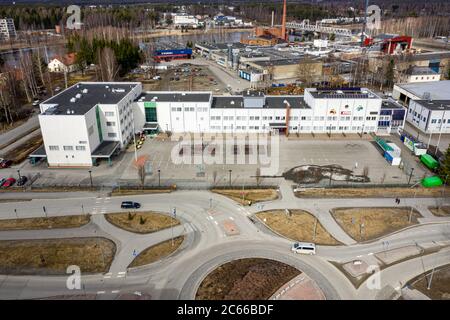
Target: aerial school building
{"type": "Point", "coordinates": [92, 121]}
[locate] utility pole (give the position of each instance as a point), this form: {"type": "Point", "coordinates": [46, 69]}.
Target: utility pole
{"type": "Point", "coordinates": [410, 176]}
{"type": "Point", "coordinates": [90, 177]}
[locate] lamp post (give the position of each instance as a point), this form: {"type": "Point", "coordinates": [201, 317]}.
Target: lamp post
{"type": "Point", "coordinates": [90, 177]}
{"type": "Point", "coordinates": [18, 172]}
{"type": "Point", "coordinates": [410, 175]}
{"type": "Point", "coordinates": [159, 177]}
{"type": "Point", "coordinates": [229, 171]}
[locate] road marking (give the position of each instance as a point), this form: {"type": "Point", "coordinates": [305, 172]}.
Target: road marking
{"type": "Point", "coordinates": [122, 272]}
{"type": "Point", "coordinates": [370, 254]}
{"type": "Point", "coordinates": [232, 218]}
{"type": "Point", "coordinates": [100, 292]}
{"type": "Point", "coordinates": [115, 291]}
{"type": "Point", "coordinates": [216, 223]}
{"type": "Point", "coordinates": [107, 277]}
{"type": "Point", "coordinates": [359, 256]}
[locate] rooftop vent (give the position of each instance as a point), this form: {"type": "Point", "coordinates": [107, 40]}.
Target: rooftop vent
{"type": "Point", "coordinates": [73, 100]}
{"type": "Point", "coordinates": [68, 111]}
{"type": "Point", "coordinates": [232, 102]}
{"type": "Point", "coordinates": [85, 91]}
{"type": "Point", "coordinates": [78, 95]}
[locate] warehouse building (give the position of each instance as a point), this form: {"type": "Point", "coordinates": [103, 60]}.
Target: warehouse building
{"type": "Point", "coordinates": [430, 116]}
{"type": "Point", "coordinates": [87, 122]}
{"type": "Point", "coordinates": [435, 90]}
{"type": "Point", "coordinates": [320, 110]}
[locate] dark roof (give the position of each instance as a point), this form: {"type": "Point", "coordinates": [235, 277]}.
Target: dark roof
{"type": "Point", "coordinates": [97, 93]}
{"type": "Point", "coordinates": [252, 93]}
{"type": "Point", "coordinates": [271, 102]}
{"type": "Point", "coordinates": [175, 97]}
{"type": "Point", "coordinates": [435, 104]}
{"type": "Point", "coordinates": [389, 104]}
{"type": "Point", "coordinates": [105, 149]}
{"type": "Point", "coordinates": [281, 62]}
{"type": "Point", "coordinates": [415, 70]}
{"type": "Point", "coordinates": [344, 94]}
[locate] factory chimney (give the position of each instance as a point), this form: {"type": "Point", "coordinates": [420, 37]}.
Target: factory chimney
{"type": "Point", "coordinates": [283, 23]}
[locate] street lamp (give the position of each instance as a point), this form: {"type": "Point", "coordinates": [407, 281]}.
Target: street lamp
{"type": "Point", "coordinates": [18, 172]}
{"type": "Point", "coordinates": [90, 177]}
{"type": "Point", "coordinates": [230, 175]}
{"type": "Point", "coordinates": [410, 175]}
{"type": "Point", "coordinates": [159, 177]}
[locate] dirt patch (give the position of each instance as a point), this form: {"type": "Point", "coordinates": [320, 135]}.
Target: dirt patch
{"type": "Point", "coordinates": [370, 223]}
{"type": "Point", "coordinates": [440, 284]}
{"type": "Point", "coordinates": [45, 223]}
{"type": "Point", "coordinates": [246, 279]}
{"type": "Point", "coordinates": [19, 154]}
{"type": "Point", "coordinates": [157, 252]}
{"type": "Point", "coordinates": [53, 256]}
{"type": "Point", "coordinates": [443, 211]}
{"type": "Point", "coordinates": [297, 225]}
{"type": "Point", "coordinates": [141, 222]}
{"type": "Point", "coordinates": [244, 197]}
{"type": "Point", "coordinates": [309, 174]}
{"type": "Point", "coordinates": [397, 192]}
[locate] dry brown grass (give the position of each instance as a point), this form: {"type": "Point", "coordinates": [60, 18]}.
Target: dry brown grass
{"type": "Point", "coordinates": [129, 192]}
{"type": "Point", "coordinates": [377, 221]}
{"type": "Point", "coordinates": [157, 252]}
{"type": "Point", "coordinates": [440, 285]}
{"type": "Point", "coordinates": [299, 226]}
{"type": "Point", "coordinates": [246, 279]}
{"type": "Point", "coordinates": [53, 256]}
{"type": "Point", "coordinates": [443, 211]}
{"type": "Point", "coordinates": [253, 195]}
{"type": "Point", "coordinates": [19, 154]}
{"type": "Point", "coordinates": [370, 193]}
{"type": "Point", "coordinates": [141, 222]}
{"type": "Point", "coordinates": [44, 223]}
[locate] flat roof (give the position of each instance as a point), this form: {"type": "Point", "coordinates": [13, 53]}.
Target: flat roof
{"type": "Point", "coordinates": [38, 153]}
{"type": "Point", "coordinates": [438, 90]}
{"type": "Point", "coordinates": [105, 149]}
{"type": "Point", "coordinates": [443, 105]}
{"type": "Point", "coordinates": [280, 62]}
{"type": "Point", "coordinates": [91, 94]}
{"type": "Point", "coordinates": [421, 71]}
{"type": "Point", "coordinates": [271, 102]}
{"type": "Point", "coordinates": [175, 96]}
{"type": "Point", "coordinates": [344, 93]}
{"type": "Point", "coordinates": [390, 104]}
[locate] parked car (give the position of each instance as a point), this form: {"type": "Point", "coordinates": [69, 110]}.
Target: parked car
{"type": "Point", "coordinates": [130, 205]}
{"type": "Point", "coordinates": [22, 180]}
{"type": "Point", "coordinates": [304, 247]}
{"type": "Point", "coordinates": [2, 180]}
{"type": "Point", "coordinates": [5, 164]}
{"type": "Point", "coordinates": [9, 182]}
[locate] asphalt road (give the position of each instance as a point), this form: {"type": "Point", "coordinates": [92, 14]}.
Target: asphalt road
{"type": "Point", "coordinates": [208, 245]}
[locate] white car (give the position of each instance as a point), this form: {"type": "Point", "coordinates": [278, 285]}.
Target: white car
{"type": "Point", "coordinates": [304, 248]}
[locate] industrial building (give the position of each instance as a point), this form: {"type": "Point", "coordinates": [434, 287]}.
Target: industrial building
{"type": "Point", "coordinates": [405, 92]}
{"type": "Point", "coordinates": [92, 121]}
{"type": "Point", "coordinates": [421, 74]}
{"type": "Point", "coordinates": [86, 122]}
{"type": "Point", "coordinates": [353, 110]}
{"type": "Point", "coordinates": [430, 116]}
{"type": "Point", "coordinates": [167, 51]}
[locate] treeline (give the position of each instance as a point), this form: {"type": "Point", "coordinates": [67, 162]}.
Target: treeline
{"type": "Point", "coordinates": [119, 56]}
{"type": "Point", "coordinates": [36, 17]}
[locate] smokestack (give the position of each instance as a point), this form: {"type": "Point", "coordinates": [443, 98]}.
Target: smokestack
{"type": "Point", "coordinates": [283, 23]}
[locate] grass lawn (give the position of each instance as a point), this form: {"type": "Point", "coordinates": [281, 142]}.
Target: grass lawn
{"type": "Point", "coordinates": [246, 279]}
{"type": "Point", "coordinates": [244, 196]}
{"type": "Point", "coordinates": [44, 223]}
{"type": "Point", "coordinates": [369, 192]}
{"type": "Point", "coordinates": [141, 222]}
{"type": "Point", "coordinates": [299, 226]}
{"type": "Point", "coordinates": [377, 221]}
{"type": "Point", "coordinates": [53, 256]}
{"type": "Point", "coordinates": [157, 252]}
{"type": "Point", "coordinates": [440, 284]}
{"type": "Point", "coordinates": [443, 211]}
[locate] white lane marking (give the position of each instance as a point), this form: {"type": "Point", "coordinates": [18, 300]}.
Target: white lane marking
{"type": "Point", "coordinates": [216, 223]}
{"type": "Point", "coordinates": [370, 254]}
{"type": "Point", "coordinates": [100, 292]}
{"type": "Point", "coordinates": [120, 275]}
{"type": "Point", "coordinates": [115, 291]}
{"type": "Point", "coordinates": [122, 272]}
{"type": "Point", "coordinates": [107, 277]}
{"type": "Point", "coordinates": [359, 256]}
{"type": "Point", "coordinates": [232, 218]}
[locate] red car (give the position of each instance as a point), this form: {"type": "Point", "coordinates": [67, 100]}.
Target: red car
{"type": "Point", "coordinates": [6, 164]}
{"type": "Point", "coordinates": [9, 182]}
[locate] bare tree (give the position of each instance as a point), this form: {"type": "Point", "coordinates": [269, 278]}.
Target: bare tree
{"type": "Point", "coordinates": [258, 176]}
{"type": "Point", "coordinates": [306, 71]}
{"type": "Point", "coordinates": [108, 64]}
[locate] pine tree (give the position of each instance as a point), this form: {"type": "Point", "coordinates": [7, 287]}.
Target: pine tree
{"type": "Point", "coordinates": [444, 170]}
